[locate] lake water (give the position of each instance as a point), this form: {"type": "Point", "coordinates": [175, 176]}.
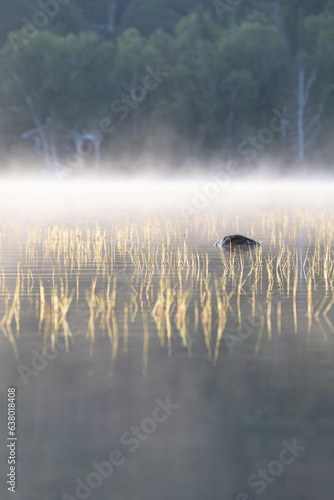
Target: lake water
{"type": "Point", "coordinates": [148, 363]}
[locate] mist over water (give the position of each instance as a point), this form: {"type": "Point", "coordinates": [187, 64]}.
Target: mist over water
{"type": "Point", "coordinates": [147, 361]}
{"type": "Point", "coordinates": [186, 195]}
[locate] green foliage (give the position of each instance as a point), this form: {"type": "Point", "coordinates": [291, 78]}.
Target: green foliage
{"type": "Point", "coordinates": [226, 73]}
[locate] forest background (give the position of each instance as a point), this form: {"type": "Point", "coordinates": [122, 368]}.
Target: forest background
{"type": "Point", "coordinates": [174, 82]}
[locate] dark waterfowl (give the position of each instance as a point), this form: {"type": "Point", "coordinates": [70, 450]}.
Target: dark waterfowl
{"type": "Point", "coordinates": [236, 241]}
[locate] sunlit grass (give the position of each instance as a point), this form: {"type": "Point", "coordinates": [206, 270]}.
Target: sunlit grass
{"type": "Point", "coordinates": [149, 277]}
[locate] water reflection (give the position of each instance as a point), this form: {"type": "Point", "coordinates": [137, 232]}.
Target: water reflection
{"type": "Point", "coordinates": [129, 279]}
{"type": "Point", "coordinates": [101, 321]}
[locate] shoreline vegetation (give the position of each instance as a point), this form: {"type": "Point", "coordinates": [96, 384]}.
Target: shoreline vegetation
{"type": "Point", "coordinates": [80, 86]}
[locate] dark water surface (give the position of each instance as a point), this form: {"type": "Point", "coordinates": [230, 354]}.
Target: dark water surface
{"type": "Point", "coordinates": [143, 414]}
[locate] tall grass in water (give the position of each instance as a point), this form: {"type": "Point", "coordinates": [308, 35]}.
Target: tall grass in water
{"type": "Point", "coordinates": [180, 291]}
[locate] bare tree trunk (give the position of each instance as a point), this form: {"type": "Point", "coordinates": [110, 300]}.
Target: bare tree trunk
{"type": "Point", "coordinates": [97, 156]}
{"type": "Point", "coordinates": [300, 115]}
{"type": "Point", "coordinates": [54, 153]}
{"type": "Point", "coordinates": [303, 97]}
{"type": "Point", "coordinates": [111, 16]}
{"type": "Point", "coordinates": [38, 124]}
{"type": "Point", "coordinates": [77, 146]}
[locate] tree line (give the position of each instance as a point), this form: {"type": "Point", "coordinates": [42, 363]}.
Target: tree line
{"type": "Point", "coordinates": [182, 81]}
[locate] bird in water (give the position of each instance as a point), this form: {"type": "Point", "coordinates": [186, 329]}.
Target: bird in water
{"type": "Point", "coordinates": [236, 241]}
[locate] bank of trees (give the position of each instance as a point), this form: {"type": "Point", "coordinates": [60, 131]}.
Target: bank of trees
{"type": "Point", "coordinates": [179, 79]}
